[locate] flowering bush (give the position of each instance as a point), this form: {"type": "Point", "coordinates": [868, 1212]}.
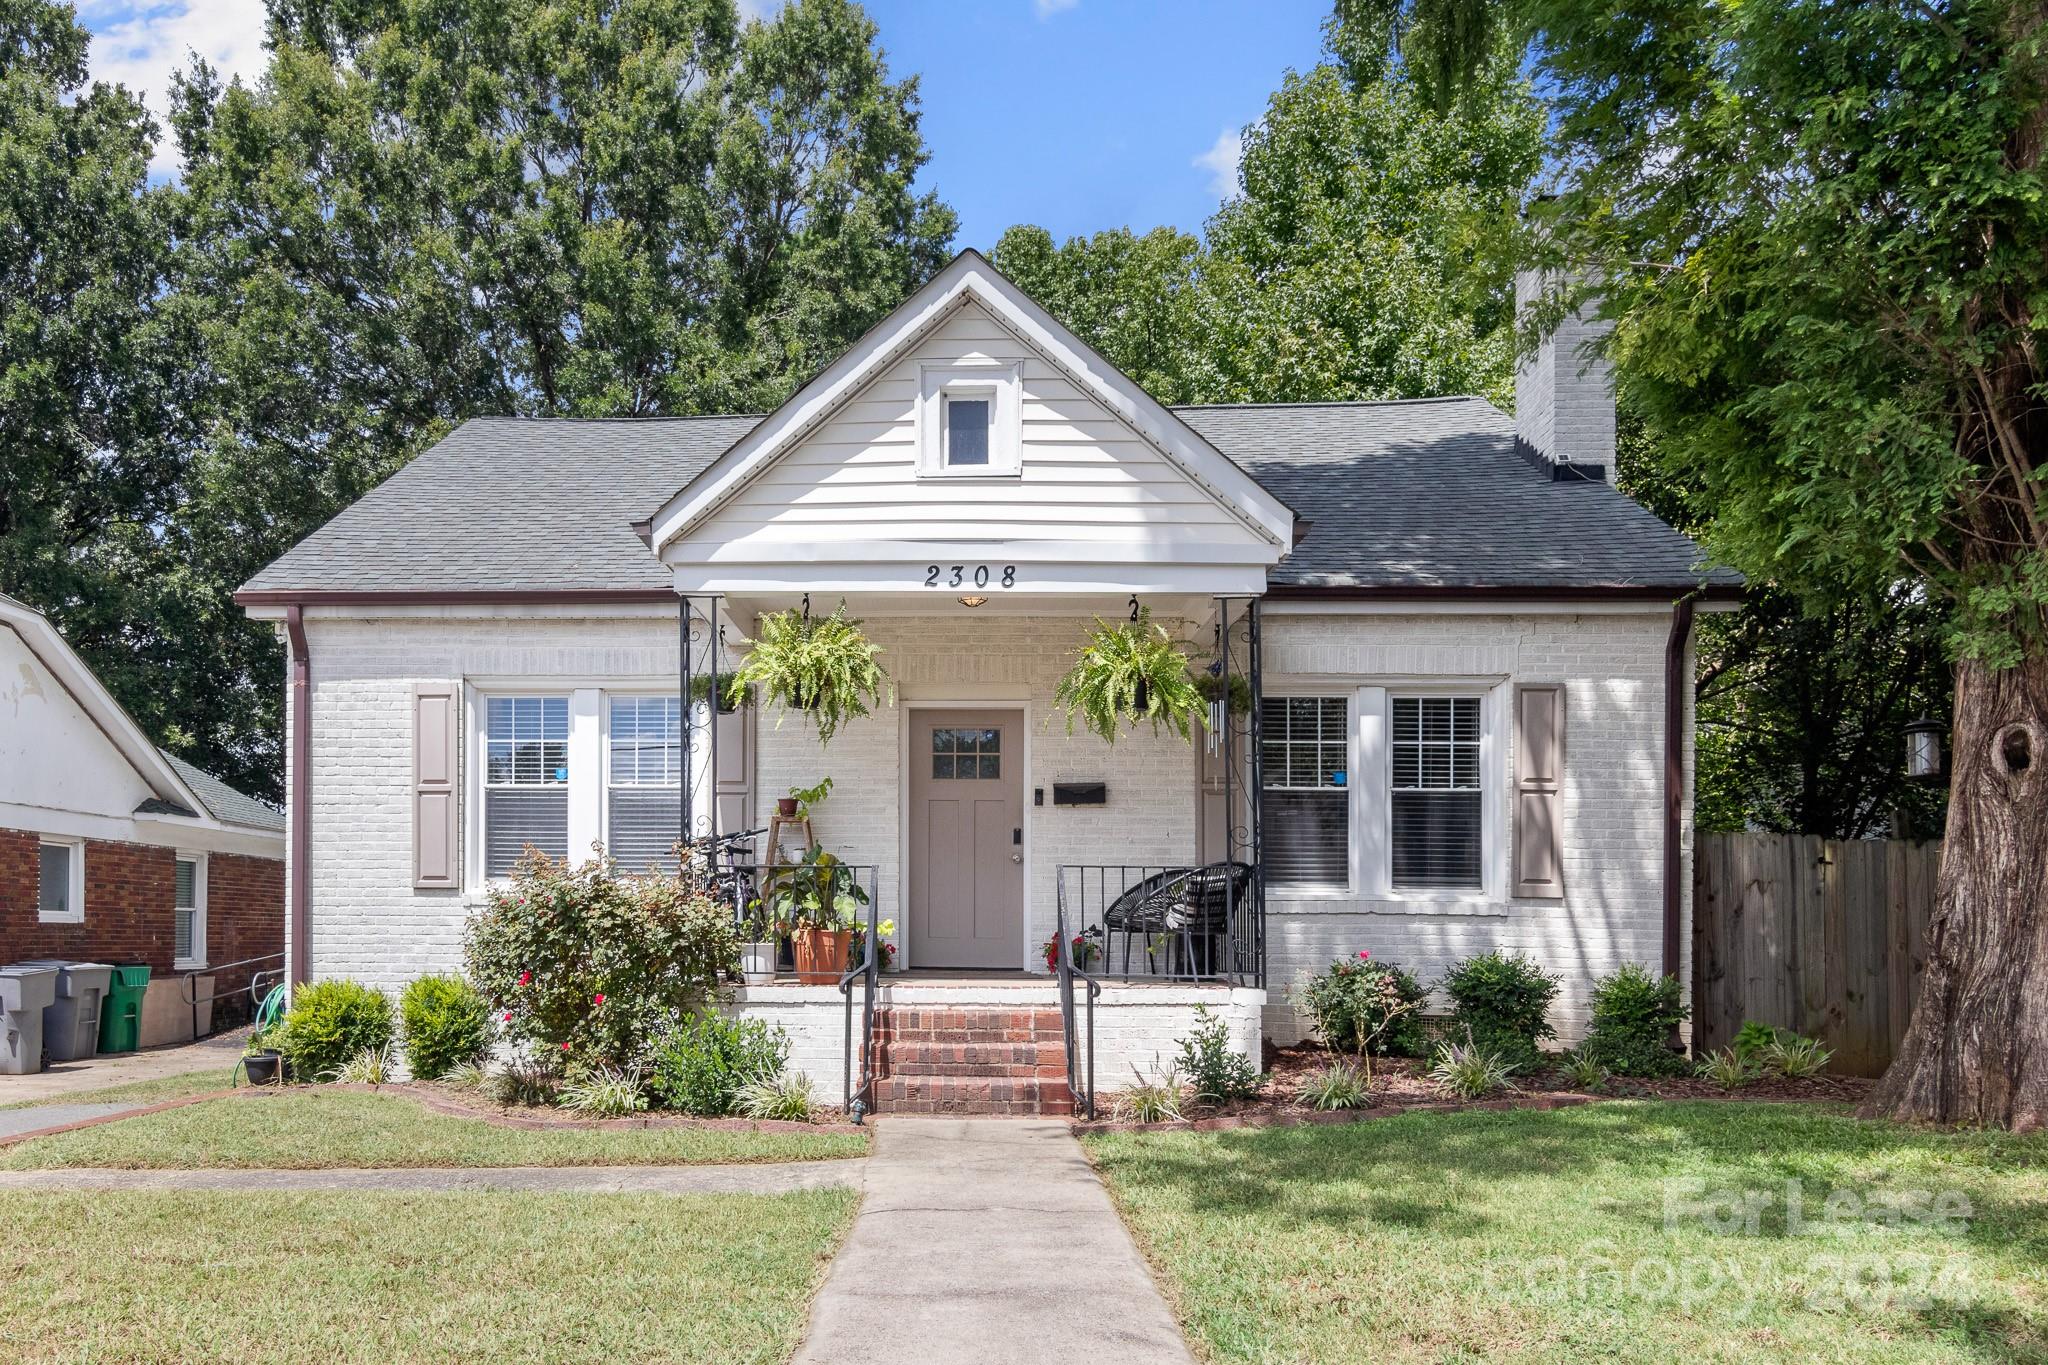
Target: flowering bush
{"type": "Point", "coordinates": [585, 968]}
{"type": "Point", "coordinates": [1360, 1004]}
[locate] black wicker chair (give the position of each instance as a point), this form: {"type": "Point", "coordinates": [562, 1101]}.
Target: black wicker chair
{"type": "Point", "coordinates": [1190, 904]}
{"type": "Point", "coordinates": [1144, 908]}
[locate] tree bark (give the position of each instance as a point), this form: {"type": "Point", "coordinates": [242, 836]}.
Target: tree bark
{"type": "Point", "coordinates": [1976, 1050]}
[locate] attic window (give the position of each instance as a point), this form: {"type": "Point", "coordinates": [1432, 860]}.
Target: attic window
{"type": "Point", "coordinates": [968, 419]}
{"type": "Point", "coordinates": [967, 425]}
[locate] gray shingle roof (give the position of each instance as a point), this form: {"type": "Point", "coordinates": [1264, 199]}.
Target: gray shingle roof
{"type": "Point", "coordinates": [223, 802]}
{"type": "Point", "coordinates": [1419, 493]}
{"type": "Point", "coordinates": [1431, 492]}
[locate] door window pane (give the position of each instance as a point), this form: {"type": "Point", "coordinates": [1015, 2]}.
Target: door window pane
{"type": "Point", "coordinates": [971, 754]}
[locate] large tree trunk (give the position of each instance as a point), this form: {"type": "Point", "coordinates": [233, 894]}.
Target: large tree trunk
{"type": "Point", "coordinates": [1977, 1048]}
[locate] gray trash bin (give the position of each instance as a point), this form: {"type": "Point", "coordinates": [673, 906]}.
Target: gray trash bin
{"type": "Point", "coordinates": [25, 991]}
{"type": "Point", "coordinates": [71, 1026]}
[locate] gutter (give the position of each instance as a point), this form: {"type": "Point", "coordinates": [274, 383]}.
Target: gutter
{"type": "Point", "coordinates": [1499, 592]}
{"type": "Point", "coordinates": [299, 911]}
{"type": "Point", "coordinates": [1677, 692]}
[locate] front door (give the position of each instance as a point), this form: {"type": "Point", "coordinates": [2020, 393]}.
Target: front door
{"type": "Point", "coordinates": [966, 838]}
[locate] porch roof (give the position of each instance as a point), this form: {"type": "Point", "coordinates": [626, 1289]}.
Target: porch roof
{"type": "Point", "coordinates": [1415, 494]}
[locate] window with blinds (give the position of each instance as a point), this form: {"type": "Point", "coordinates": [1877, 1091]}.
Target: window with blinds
{"type": "Point", "coordinates": [644, 792]}
{"type": "Point", "coordinates": [1305, 813]}
{"type": "Point", "coordinates": [1435, 792]}
{"type": "Point", "coordinates": [526, 779]}
{"type": "Point", "coordinates": [185, 933]}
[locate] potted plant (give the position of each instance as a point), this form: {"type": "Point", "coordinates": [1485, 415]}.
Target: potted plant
{"type": "Point", "coordinates": [1087, 949]}
{"type": "Point", "coordinates": [1130, 672]}
{"type": "Point", "coordinates": [732, 694]}
{"type": "Point", "coordinates": [1211, 687]}
{"type": "Point", "coordinates": [856, 946]}
{"type": "Point", "coordinates": [822, 666]}
{"type": "Point", "coordinates": [821, 902]}
{"type": "Point", "coordinates": [757, 954]}
{"type": "Point", "coordinates": [801, 799]}
{"type": "Point", "coordinates": [262, 1064]}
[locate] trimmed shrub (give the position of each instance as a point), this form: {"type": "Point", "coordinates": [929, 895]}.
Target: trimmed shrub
{"type": "Point", "coordinates": [588, 967]}
{"type": "Point", "coordinates": [702, 1065]}
{"type": "Point", "coordinates": [446, 1025]}
{"type": "Point", "coordinates": [1218, 1071]}
{"type": "Point", "coordinates": [1500, 1002]}
{"type": "Point", "coordinates": [1359, 1003]}
{"type": "Point", "coordinates": [330, 1024]}
{"type": "Point", "coordinates": [1633, 1013]}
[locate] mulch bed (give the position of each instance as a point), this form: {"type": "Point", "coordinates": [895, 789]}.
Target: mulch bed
{"type": "Point", "coordinates": [1402, 1085]}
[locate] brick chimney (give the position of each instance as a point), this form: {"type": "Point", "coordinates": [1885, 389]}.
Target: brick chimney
{"type": "Point", "coordinates": [1564, 394]}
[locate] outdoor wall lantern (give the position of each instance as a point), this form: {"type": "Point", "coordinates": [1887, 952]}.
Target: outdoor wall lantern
{"type": "Point", "coordinates": [1923, 750]}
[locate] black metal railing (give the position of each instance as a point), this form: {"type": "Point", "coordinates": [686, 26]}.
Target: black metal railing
{"type": "Point", "coordinates": [1080, 1076]}
{"type": "Point", "coordinates": [1152, 922]}
{"type": "Point", "coordinates": [859, 1099]}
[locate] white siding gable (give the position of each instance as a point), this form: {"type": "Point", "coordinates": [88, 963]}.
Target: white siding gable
{"type": "Point", "coordinates": [52, 754]}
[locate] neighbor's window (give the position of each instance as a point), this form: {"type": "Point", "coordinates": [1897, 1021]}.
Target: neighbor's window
{"type": "Point", "coordinates": [1305, 815]}
{"type": "Point", "coordinates": [968, 419]}
{"type": "Point", "coordinates": [526, 779]}
{"type": "Point", "coordinates": [189, 912]}
{"type": "Point", "coordinates": [644, 796]}
{"type": "Point", "coordinates": [60, 883]}
{"type": "Point", "coordinates": [1435, 792]}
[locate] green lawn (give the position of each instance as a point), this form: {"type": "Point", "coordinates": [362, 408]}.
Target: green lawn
{"type": "Point", "coordinates": [152, 1091]}
{"type": "Point", "coordinates": [315, 1127]}
{"type": "Point", "coordinates": [384, 1277]}
{"type": "Point", "coordinates": [1527, 1236]}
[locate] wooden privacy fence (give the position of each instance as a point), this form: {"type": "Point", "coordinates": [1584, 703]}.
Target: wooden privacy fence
{"type": "Point", "coordinates": [1827, 936]}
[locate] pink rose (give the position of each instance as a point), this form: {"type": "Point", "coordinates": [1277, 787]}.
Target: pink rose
{"type": "Point", "coordinates": [597, 999]}
{"type": "Point", "coordinates": [1363, 955]}
{"type": "Point", "coordinates": [565, 1047]}
{"type": "Point", "coordinates": [508, 1016]}
{"type": "Point", "coordinates": [525, 978]}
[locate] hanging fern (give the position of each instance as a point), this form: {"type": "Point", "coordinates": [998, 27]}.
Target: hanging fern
{"type": "Point", "coordinates": [823, 666]}
{"type": "Point", "coordinates": [1128, 673]}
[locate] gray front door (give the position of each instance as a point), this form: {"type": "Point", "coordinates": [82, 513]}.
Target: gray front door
{"type": "Point", "coordinates": [966, 850]}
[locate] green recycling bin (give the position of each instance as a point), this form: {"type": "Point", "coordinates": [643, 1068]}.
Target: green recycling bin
{"type": "Point", "coordinates": [121, 1011]}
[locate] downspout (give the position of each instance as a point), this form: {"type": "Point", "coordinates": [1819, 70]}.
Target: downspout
{"type": "Point", "coordinates": [300, 913]}
{"type": "Point", "coordinates": [1677, 692]}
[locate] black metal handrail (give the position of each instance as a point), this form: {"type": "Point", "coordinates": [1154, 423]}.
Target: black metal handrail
{"type": "Point", "coordinates": [857, 1100]}
{"type": "Point", "coordinates": [1080, 1082]}
{"type": "Point", "coordinates": [1158, 922]}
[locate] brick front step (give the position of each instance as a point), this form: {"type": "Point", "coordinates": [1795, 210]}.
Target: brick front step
{"type": "Point", "coordinates": [971, 1061]}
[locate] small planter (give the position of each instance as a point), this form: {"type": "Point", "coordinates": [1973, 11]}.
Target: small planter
{"type": "Point", "coordinates": [821, 955]}
{"type": "Point", "coordinates": [263, 1068]}
{"type": "Point", "coordinates": [757, 963]}
{"type": "Point", "coordinates": [785, 806]}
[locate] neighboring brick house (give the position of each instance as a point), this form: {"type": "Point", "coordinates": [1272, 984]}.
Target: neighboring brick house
{"type": "Point", "coordinates": [111, 850]}
{"type": "Point", "coordinates": [1465, 659]}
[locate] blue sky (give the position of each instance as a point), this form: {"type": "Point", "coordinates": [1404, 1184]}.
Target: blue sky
{"type": "Point", "coordinates": [1077, 115]}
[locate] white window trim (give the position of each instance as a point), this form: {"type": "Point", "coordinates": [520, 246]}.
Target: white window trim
{"type": "Point", "coordinates": [198, 956]}
{"type": "Point", "coordinates": [1003, 384]}
{"type": "Point", "coordinates": [1373, 845]}
{"type": "Point", "coordinates": [74, 894]}
{"type": "Point", "coordinates": [1353, 818]}
{"type": "Point", "coordinates": [696, 719]}
{"type": "Point", "coordinates": [586, 769]}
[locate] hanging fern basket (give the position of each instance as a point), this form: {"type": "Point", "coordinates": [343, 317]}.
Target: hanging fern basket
{"type": "Point", "coordinates": [1129, 673]}
{"type": "Point", "coordinates": [825, 667]}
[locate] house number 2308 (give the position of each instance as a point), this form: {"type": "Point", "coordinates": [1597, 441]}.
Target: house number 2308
{"type": "Point", "coordinates": [957, 575]}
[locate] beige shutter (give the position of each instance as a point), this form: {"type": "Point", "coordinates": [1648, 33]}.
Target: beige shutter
{"type": "Point", "coordinates": [1539, 791]}
{"type": "Point", "coordinates": [435, 707]}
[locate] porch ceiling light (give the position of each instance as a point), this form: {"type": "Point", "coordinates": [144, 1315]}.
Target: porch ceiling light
{"type": "Point", "coordinates": [972, 601]}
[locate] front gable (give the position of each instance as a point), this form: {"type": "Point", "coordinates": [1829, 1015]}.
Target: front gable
{"type": "Point", "coordinates": [1087, 485]}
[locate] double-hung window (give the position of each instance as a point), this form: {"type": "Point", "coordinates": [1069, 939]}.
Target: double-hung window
{"type": "Point", "coordinates": [1305, 816]}
{"type": "Point", "coordinates": [60, 882]}
{"type": "Point", "coordinates": [526, 779]}
{"type": "Point", "coordinates": [1435, 794]}
{"type": "Point", "coordinates": [189, 911]}
{"type": "Point", "coordinates": [644, 793]}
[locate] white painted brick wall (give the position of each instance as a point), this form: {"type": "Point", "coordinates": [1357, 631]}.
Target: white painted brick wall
{"type": "Point", "coordinates": [1612, 667]}
{"type": "Point", "coordinates": [1564, 396]}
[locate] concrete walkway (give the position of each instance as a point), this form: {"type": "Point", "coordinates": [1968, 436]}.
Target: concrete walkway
{"type": "Point", "coordinates": [14, 1121]}
{"type": "Point", "coordinates": [776, 1178]}
{"type": "Point", "coordinates": [987, 1240]}
{"type": "Point", "coordinates": [62, 1080]}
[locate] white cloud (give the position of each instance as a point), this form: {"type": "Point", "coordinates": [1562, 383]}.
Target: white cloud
{"type": "Point", "coordinates": [139, 45]}
{"type": "Point", "coordinates": [1046, 9]}
{"type": "Point", "coordinates": [1220, 161]}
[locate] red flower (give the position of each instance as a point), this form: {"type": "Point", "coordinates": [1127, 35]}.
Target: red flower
{"type": "Point", "coordinates": [508, 1016]}
{"type": "Point", "coordinates": [565, 1047]}
{"type": "Point", "coordinates": [525, 978]}
{"type": "Point", "coordinates": [597, 999]}
{"type": "Point", "coordinates": [1363, 955]}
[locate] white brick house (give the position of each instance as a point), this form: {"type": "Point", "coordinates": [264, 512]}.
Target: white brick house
{"type": "Point", "coordinates": [1469, 658]}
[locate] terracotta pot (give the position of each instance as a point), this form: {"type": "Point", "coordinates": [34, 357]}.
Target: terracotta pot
{"type": "Point", "coordinates": [821, 955]}
{"type": "Point", "coordinates": [785, 805]}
